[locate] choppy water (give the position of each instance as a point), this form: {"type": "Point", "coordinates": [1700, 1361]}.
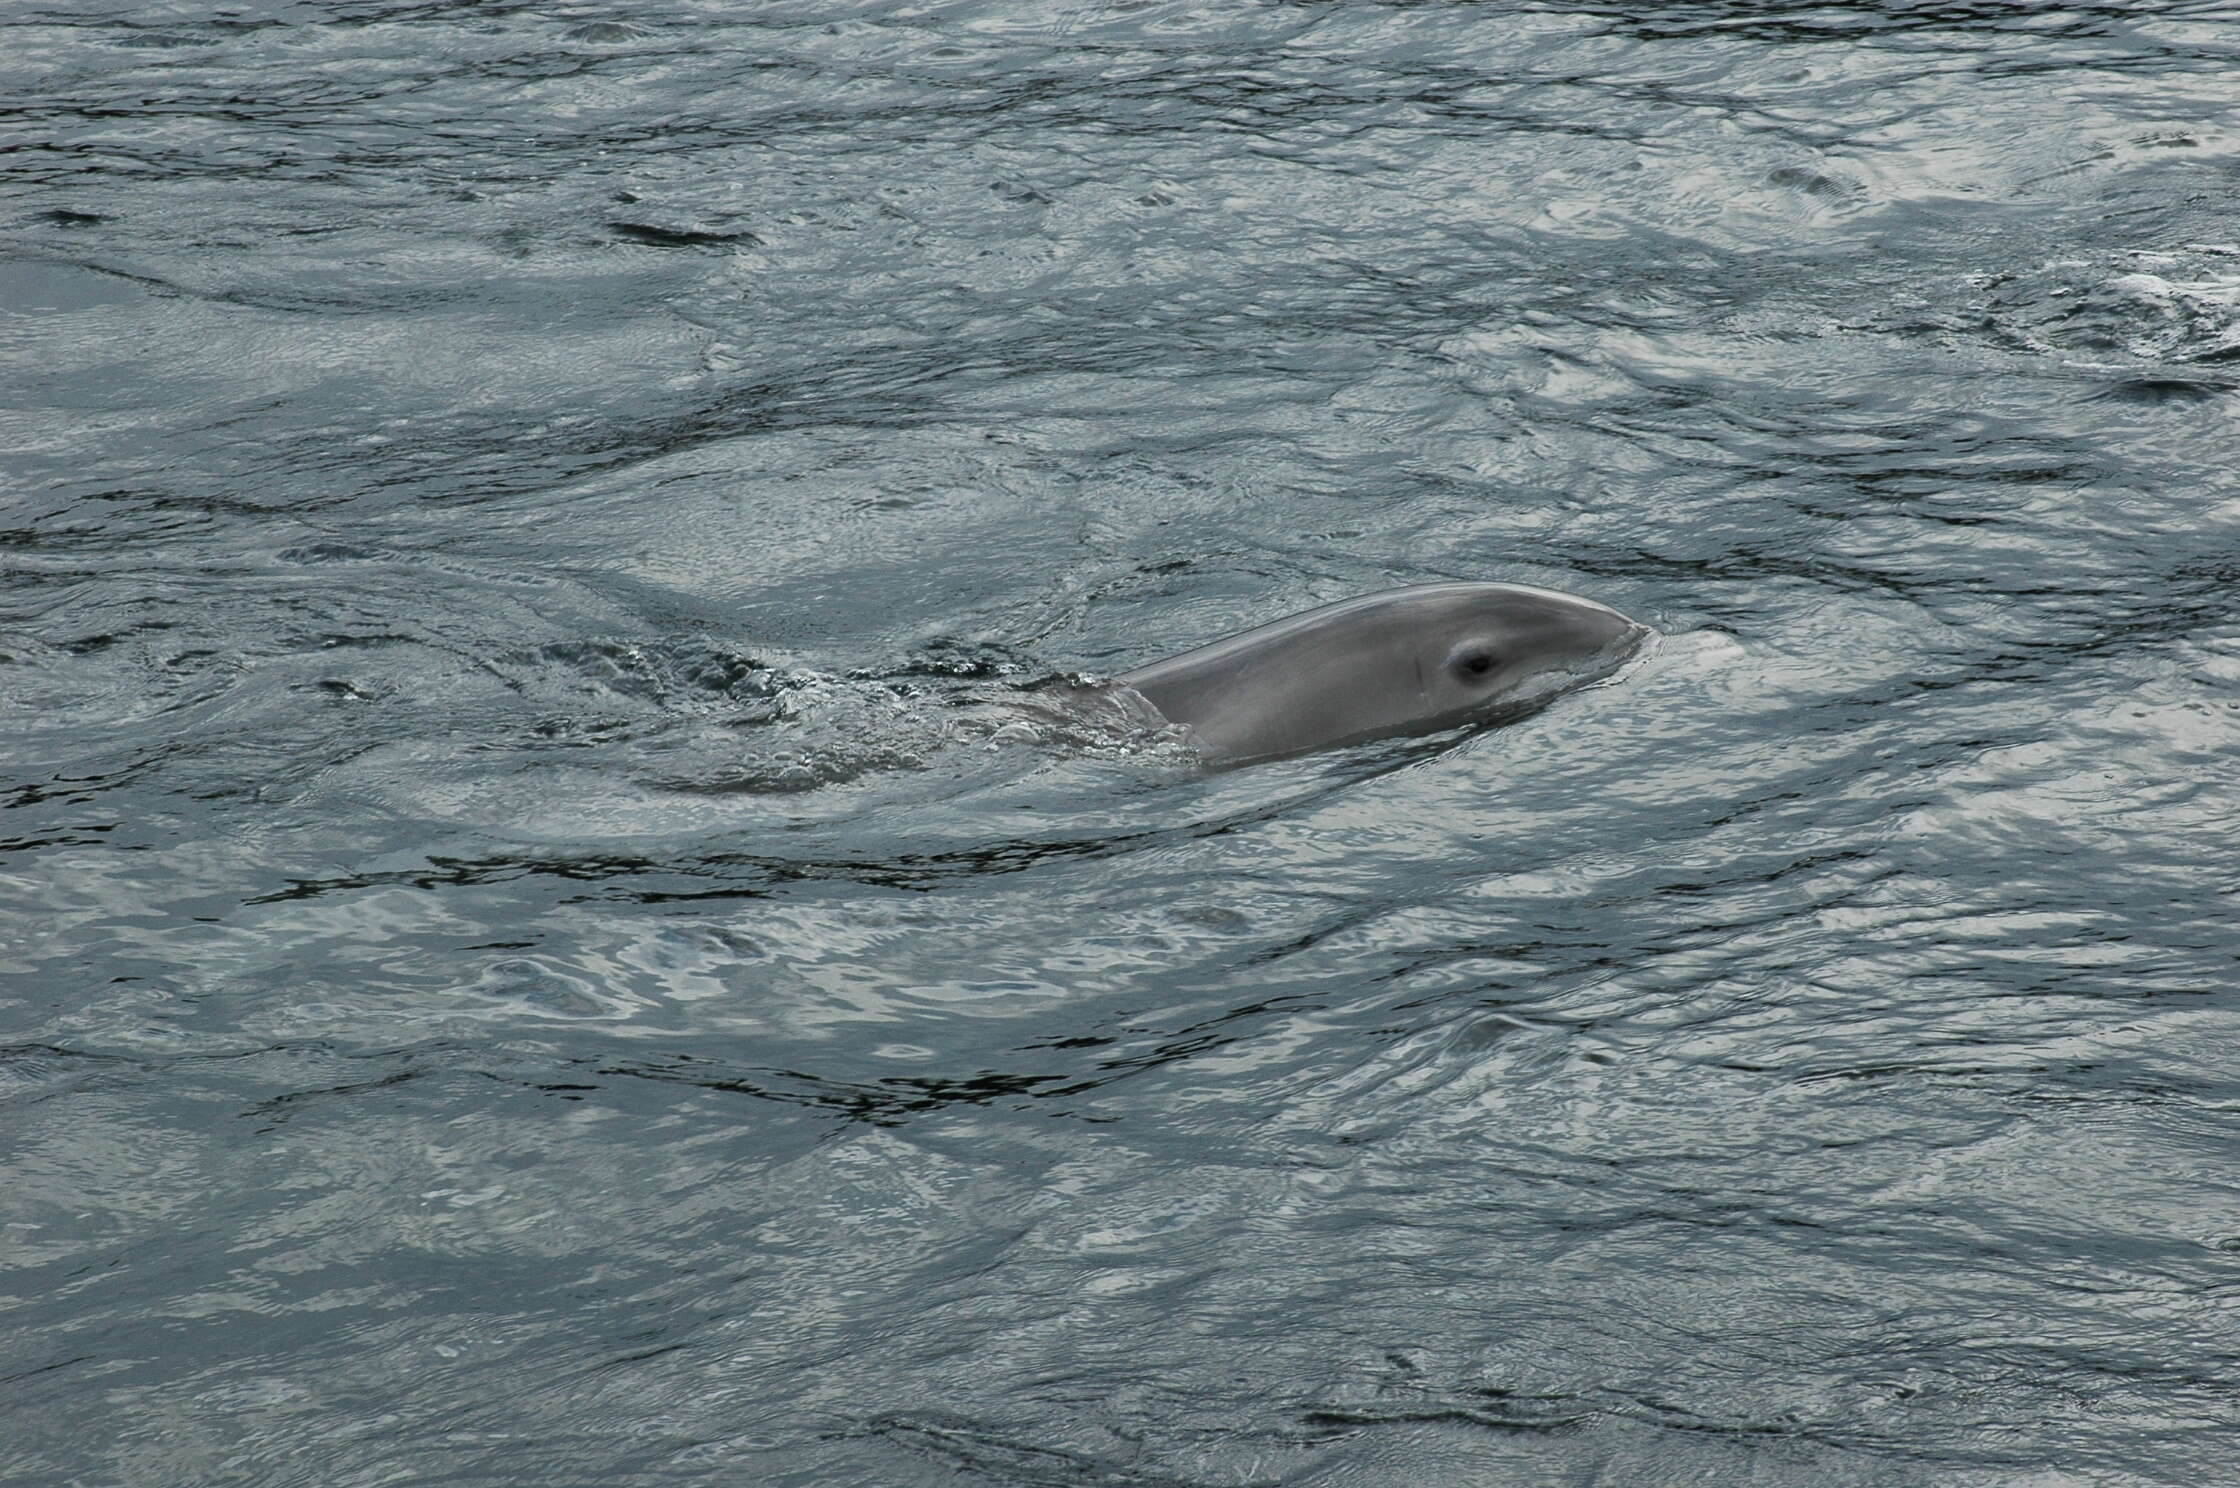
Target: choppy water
{"type": "Point", "coordinates": [509, 978]}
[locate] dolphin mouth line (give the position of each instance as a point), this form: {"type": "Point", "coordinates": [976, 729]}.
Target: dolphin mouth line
{"type": "Point", "coordinates": [1616, 660]}
{"type": "Point", "coordinates": [1628, 652]}
{"type": "Point", "coordinates": [1634, 646]}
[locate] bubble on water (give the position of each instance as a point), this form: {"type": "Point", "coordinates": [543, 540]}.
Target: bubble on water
{"type": "Point", "coordinates": [2153, 306]}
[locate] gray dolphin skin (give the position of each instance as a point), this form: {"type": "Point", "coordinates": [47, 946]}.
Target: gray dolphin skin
{"type": "Point", "coordinates": [1404, 661]}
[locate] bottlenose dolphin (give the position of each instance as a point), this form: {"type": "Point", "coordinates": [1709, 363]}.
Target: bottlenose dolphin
{"type": "Point", "coordinates": [1404, 661]}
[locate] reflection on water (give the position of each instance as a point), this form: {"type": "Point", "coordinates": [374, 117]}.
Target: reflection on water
{"type": "Point", "coordinates": [533, 950]}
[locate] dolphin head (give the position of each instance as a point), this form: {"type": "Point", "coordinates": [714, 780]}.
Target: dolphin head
{"type": "Point", "coordinates": [1406, 661]}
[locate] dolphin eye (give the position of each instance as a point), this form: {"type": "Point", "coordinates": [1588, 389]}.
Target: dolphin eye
{"type": "Point", "coordinates": [1475, 662]}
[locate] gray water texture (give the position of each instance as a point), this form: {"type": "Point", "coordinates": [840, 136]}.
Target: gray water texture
{"type": "Point", "coordinates": [520, 966]}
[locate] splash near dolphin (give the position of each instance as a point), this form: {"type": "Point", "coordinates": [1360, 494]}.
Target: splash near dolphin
{"type": "Point", "coordinates": [1404, 661]}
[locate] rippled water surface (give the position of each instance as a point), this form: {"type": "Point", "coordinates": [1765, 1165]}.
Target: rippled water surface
{"type": "Point", "coordinates": [520, 966]}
